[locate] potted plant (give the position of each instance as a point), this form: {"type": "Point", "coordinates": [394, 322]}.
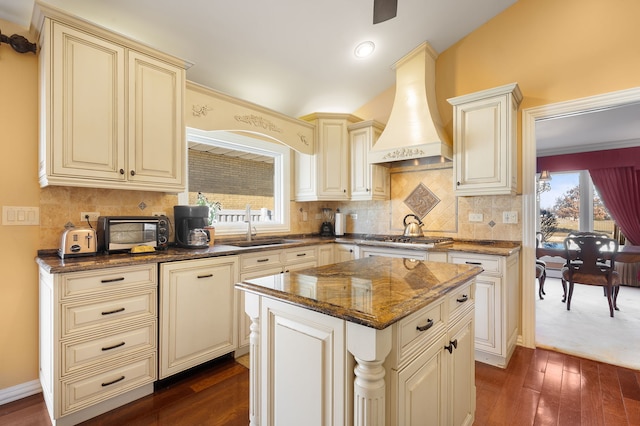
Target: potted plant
{"type": "Point", "coordinates": [214, 206]}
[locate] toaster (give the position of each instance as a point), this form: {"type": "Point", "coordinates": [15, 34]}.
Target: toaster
{"type": "Point", "coordinates": [77, 242]}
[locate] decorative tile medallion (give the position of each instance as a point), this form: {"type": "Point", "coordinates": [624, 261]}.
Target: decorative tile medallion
{"type": "Point", "coordinates": [421, 200]}
{"type": "Point", "coordinates": [142, 205]}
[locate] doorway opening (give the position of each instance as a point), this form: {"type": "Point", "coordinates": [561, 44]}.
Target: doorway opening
{"type": "Point", "coordinates": [530, 207]}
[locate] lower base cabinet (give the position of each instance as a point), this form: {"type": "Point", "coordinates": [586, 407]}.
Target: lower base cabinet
{"type": "Point", "coordinates": [197, 312]}
{"type": "Point", "coordinates": [98, 334]}
{"type": "Point", "coordinates": [497, 305]}
{"type": "Point", "coordinates": [304, 366]}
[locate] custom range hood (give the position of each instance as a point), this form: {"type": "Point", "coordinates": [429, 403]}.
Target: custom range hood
{"type": "Point", "coordinates": [414, 130]}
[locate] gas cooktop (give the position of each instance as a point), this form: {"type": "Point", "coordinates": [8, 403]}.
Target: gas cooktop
{"type": "Point", "coordinates": [401, 240]}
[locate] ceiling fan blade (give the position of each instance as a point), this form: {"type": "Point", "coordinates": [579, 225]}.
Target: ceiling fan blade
{"type": "Point", "coordinates": [384, 10]}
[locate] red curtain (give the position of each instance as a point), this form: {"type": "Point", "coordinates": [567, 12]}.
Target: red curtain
{"type": "Point", "coordinates": [619, 188]}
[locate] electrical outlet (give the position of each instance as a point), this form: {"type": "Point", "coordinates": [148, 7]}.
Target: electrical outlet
{"type": "Point", "coordinates": [354, 216]}
{"type": "Point", "coordinates": [93, 216]}
{"type": "Point", "coordinates": [475, 217]}
{"type": "Point", "coordinates": [159, 214]}
{"type": "Point", "coordinates": [509, 217]}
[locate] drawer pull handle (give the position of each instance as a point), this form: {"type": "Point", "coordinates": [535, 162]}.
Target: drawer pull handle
{"type": "Point", "coordinates": [462, 299]}
{"type": "Point", "coordinates": [473, 263]}
{"type": "Point", "coordinates": [301, 254]}
{"type": "Point", "coordinates": [117, 345]}
{"type": "Point", "coordinates": [112, 280]}
{"type": "Point", "coordinates": [425, 327]}
{"type": "Point", "coordinates": [205, 276]}
{"type": "Point", "coordinates": [121, 378]}
{"type": "Point", "coordinates": [115, 311]}
{"type": "Point", "coordinates": [262, 260]}
{"type": "Point", "coordinates": [453, 344]}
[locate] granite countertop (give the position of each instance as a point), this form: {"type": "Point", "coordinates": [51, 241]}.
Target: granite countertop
{"type": "Point", "coordinates": [375, 291]}
{"type": "Point", "coordinates": [50, 262]}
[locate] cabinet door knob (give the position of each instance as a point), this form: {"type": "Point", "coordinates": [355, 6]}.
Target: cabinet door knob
{"type": "Point", "coordinates": [453, 344]}
{"type": "Point", "coordinates": [133, 172]}
{"type": "Point", "coordinates": [121, 171]}
{"type": "Point", "coordinates": [344, 190]}
{"type": "Point", "coordinates": [458, 183]}
{"type": "Point", "coordinates": [367, 189]}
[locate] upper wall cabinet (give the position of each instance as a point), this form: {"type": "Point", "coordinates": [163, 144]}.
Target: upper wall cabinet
{"type": "Point", "coordinates": [368, 181]}
{"type": "Point", "coordinates": [324, 175]}
{"type": "Point", "coordinates": [111, 109]}
{"type": "Point", "coordinates": [485, 141]}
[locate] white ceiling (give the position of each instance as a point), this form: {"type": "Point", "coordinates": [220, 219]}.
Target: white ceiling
{"type": "Point", "coordinates": [296, 56]}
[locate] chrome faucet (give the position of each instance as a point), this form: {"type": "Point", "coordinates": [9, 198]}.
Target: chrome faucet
{"type": "Point", "coordinates": [248, 221]}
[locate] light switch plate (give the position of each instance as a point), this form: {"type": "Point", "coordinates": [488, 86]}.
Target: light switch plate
{"type": "Point", "coordinates": [13, 215]}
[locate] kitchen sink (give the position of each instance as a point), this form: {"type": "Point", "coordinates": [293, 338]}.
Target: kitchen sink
{"type": "Point", "coordinates": [265, 242]}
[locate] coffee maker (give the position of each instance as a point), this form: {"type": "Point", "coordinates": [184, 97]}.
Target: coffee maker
{"type": "Point", "coordinates": [326, 229]}
{"type": "Point", "coordinates": [190, 223]}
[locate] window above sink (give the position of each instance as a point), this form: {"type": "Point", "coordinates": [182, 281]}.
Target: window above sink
{"type": "Point", "coordinates": [239, 170]}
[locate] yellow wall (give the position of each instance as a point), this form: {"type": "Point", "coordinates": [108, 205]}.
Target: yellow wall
{"type": "Point", "coordinates": [18, 187]}
{"type": "Point", "coordinates": [555, 50]}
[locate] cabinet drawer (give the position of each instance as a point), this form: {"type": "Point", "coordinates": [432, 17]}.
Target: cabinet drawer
{"type": "Point", "coordinates": [77, 317]}
{"type": "Point", "coordinates": [300, 266]}
{"type": "Point", "coordinates": [83, 392]}
{"type": "Point", "coordinates": [101, 350]}
{"type": "Point", "coordinates": [459, 300]}
{"type": "Point", "coordinates": [108, 280]}
{"type": "Point", "coordinates": [303, 254]}
{"type": "Point", "coordinates": [418, 328]}
{"type": "Point", "coordinates": [260, 260]}
{"type": "Point", "coordinates": [490, 264]}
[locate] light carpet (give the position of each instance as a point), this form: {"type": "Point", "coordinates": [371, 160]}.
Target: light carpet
{"type": "Point", "coordinates": [587, 330]}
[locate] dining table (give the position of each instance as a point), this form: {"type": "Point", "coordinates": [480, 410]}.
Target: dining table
{"type": "Point", "coordinates": [625, 254]}
{"type": "Point", "coordinates": [626, 260]}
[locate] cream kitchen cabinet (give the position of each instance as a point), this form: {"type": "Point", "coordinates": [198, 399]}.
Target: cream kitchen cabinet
{"type": "Point", "coordinates": [497, 305]}
{"type": "Point", "coordinates": [325, 174]}
{"type": "Point", "coordinates": [197, 312]}
{"type": "Point", "coordinates": [265, 263]}
{"type": "Point", "coordinates": [431, 256]}
{"type": "Point", "coordinates": [485, 141]}
{"type": "Point", "coordinates": [344, 252]}
{"type": "Point", "coordinates": [431, 367]}
{"type": "Point", "coordinates": [98, 340]}
{"type": "Point", "coordinates": [326, 254]}
{"type": "Point", "coordinates": [299, 258]}
{"type": "Point", "coordinates": [111, 110]}
{"type": "Point", "coordinates": [429, 372]}
{"type": "Point", "coordinates": [368, 181]}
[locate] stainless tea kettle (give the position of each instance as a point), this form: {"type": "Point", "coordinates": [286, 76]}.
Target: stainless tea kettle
{"type": "Point", "coordinates": [413, 229]}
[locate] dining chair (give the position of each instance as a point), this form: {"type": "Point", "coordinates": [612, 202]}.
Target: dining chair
{"type": "Point", "coordinates": [541, 268]}
{"type": "Point", "coordinates": [591, 261]}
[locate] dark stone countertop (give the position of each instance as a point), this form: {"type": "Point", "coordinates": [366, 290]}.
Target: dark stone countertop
{"type": "Point", "coordinates": [375, 291]}
{"type": "Point", "coordinates": [50, 262]}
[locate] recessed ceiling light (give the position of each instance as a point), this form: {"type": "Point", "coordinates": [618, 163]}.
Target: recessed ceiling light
{"type": "Point", "coordinates": [364, 49]}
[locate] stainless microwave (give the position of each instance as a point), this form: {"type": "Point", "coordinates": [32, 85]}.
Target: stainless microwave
{"type": "Point", "coordinates": [122, 233]}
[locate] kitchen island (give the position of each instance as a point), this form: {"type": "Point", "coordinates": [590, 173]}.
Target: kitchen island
{"type": "Point", "coordinates": [372, 341]}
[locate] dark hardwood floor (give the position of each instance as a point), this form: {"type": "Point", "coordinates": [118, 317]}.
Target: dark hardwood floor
{"type": "Point", "coordinates": [539, 387]}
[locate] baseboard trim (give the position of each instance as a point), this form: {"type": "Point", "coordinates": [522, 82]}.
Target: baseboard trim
{"type": "Point", "coordinates": [17, 392]}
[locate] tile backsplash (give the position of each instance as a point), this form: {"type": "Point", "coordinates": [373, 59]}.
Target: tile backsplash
{"type": "Point", "coordinates": [449, 217]}
{"type": "Point", "coordinates": [62, 204]}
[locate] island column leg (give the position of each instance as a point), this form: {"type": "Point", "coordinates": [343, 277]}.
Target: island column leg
{"type": "Point", "coordinates": [252, 309]}
{"type": "Point", "coordinates": [369, 347]}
